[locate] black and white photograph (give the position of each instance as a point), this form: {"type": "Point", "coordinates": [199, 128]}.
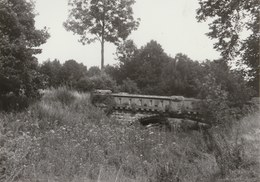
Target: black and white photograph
{"type": "Point", "coordinates": [129, 91]}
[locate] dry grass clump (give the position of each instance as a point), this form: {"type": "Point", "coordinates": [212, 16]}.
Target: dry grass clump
{"type": "Point", "coordinates": [56, 140]}
{"type": "Point", "coordinates": [62, 95]}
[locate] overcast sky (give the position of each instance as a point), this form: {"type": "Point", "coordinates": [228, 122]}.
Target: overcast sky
{"type": "Point", "coordinates": [171, 23]}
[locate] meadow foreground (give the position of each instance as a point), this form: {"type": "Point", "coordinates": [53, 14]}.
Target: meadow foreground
{"type": "Point", "coordinates": [64, 138]}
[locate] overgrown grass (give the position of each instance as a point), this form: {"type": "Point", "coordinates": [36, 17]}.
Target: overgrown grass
{"type": "Point", "coordinates": [64, 138]}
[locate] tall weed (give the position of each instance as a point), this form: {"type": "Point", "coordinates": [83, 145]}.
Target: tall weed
{"type": "Point", "coordinates": [53, 141]}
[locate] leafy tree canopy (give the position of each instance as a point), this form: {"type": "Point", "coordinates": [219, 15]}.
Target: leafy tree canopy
{"type": "Point", "coordinates": [126, 51]}
{"type": "Point", "coordinates": [94, 70]}
{"type": "Point", "coordinates": [129, 86]}
{"type": "Point", "coordinates": [100, 81]}
{"type": "Point", "coordinates": [71, 72]}
{"type": "Point", "coordinates": [181, 75]}
{"type": "Point", "coordinates": [144, 66]}
{"type": "Point", "coordinates": [230, 20]}
{"type": "Point", "coordinates": [224, 93]}
{"type": "Point", "coordinates": [19, 42]}
{"type": "Point", "coordinates": [51, 70]}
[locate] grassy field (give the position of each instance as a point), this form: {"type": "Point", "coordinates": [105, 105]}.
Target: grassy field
{"type": "Point", "coordinates": [64, 138]}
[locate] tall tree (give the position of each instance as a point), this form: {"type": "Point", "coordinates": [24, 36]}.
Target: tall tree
{"type": "Point", "coordinates": [231, 19]}
{"type": "Point", "coordinates": [105, 20]}
{"type": "Point", "coordinates": [19, 40]}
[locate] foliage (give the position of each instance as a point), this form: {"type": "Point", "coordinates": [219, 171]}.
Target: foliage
{"type": "Point", "coordinates": [129, 86]}
{"type": "Point", "coordinates": [12, 102]}
{"type": "Point", "coordinates": [224, 92]}
{"type": "Point", "coordinates": [110, 21]}
{"type": "Point", "coordinates": [115, 72]}
{"type": "Point", "coordinates": [71, 72]}
{"type": "Point", "coordinates": [126, 51]}
{"type": "Point", "coordinates": [93, 71]}
{"type": "Point", "coordinates": [230, 20]}
{"type": "Point", "coordinates": [155, 72]}
{"type": "Point", "coordinates": [144, 66]}
{"type": "Point", "coordinates": [102, 81]}
{"type": "Point", "coordinates": [51, 69]}
{"type": "Point", "coordinates": [66, 74]}
{"type": "Point", "coordinates": [225, 96]}
{"type": "Point", "coordinates": [19, 38]}
{"type": "Point", "coordinates": [181, 75]}
{"type": "Point", "coordinates": [75, 75]}
{"type": "Point", "coordinates": [151, 61]}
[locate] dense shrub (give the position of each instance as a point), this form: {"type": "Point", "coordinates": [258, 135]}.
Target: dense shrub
{"type": "Point", "coordinates": [12, 102]}
{"type": "Point", "coordinates": [101, 81]}
{"type": "Point", "coordinates": [129, 86]}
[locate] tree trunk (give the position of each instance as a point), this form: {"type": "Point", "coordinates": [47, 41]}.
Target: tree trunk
{"type": "Point", "coordinates": [102, 54]}
{"type": "Point", "coordinates": [102, 42]}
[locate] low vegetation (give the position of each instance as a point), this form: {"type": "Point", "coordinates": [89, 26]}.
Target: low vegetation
{"type": "Point", "coordinates": [64, 138]}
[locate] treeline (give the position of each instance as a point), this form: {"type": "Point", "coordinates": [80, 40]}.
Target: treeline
{"type": "Point", "coordinates": [74, 75]}
{"type": "Point", "coordinates": [148, 70]}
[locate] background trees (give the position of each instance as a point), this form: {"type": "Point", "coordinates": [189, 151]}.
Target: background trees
{"type": "Point", "coordinates": [110, 21]}
{"type": "Point", "coordinates": [66, 74]}
{"type": "Point", "coordinates": [181, 75]}
{"type": "Point", "coordinates": [151, 60]}
{"type": "Point", "coordinates": [71, 72]}
{"type": "Point", "coordinates": [19, 76]}
{"type": "Point", "coordinates": [94, 70]}
{"type": "Point", "coordinates": [155, 72]}
{"type": "Point", "coordinates": [74, 75]}
{"type": "Point", "coordinates": [231, 20]}
{"type": "Point", "coordinates": [143, 66]}
{"type": "Point", "coordinates": [51, 69]}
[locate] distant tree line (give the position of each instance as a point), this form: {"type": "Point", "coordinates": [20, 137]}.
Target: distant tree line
{"type": "Point", "coordinates": [75, 75]}
{"type": "Point", "coordinates": [148, 70]}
